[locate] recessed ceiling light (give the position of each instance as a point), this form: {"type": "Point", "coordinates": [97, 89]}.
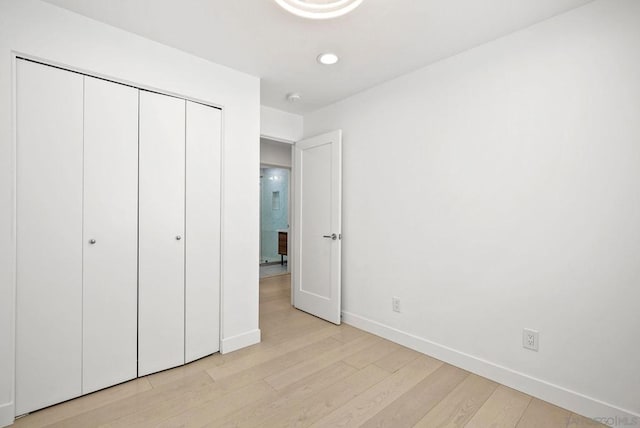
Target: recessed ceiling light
{"type": "Point", "coordinates": [328, 58]}
{"type": "Point", "coordinates": [319, 9]}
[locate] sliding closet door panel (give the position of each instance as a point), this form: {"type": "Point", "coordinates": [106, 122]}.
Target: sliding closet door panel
{"type": "Point", "coordinates": [202, 288]}
{"type": "Point", "coordinates": [110, 244]}
{"type": "Point", "coordinates": [49, 236]}
{"type": "Point", "coordinates": [161, 229]}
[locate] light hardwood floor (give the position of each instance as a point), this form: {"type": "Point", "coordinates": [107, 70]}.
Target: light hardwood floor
{"type": "Point", "coordinates": [307, 372]}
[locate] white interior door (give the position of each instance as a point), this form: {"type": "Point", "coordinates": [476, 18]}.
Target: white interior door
{"type": "Point", "coordinates": [110, 244]}
{"type": "Point", "coordinates": [161, 231]}
{"type": "Point", "coordinates": [49, 236]}
{"type": "Point", "coordinates": [317, 225]}
{"type": "Point", "coordinates": [202, 234]}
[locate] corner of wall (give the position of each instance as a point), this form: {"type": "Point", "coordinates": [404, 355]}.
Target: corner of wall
{"type": "Point", "coordinates": [7, 413]}
{"type": "Point", "coordinates": [240, 341]}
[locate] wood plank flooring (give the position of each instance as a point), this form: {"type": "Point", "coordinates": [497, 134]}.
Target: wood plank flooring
{"type": "Point", "coordinates": [308, 373]}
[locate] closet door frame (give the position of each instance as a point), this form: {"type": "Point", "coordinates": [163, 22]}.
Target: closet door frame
{"type": "Point", "coordinates": [15, 57]}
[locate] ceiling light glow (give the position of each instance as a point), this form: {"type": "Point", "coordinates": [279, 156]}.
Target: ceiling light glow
{"type": "Point", "coordinates": [319, 9]}
{"type": "Point", "coordinates": [328, 58]}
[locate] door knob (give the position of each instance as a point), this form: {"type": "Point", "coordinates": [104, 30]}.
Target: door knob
{"type": "Point", "coordinates": [179, 237]}
{"type": "Point", "coordinates": [92, 241]}
{"type": "Point", "coordinates": [333, 236]}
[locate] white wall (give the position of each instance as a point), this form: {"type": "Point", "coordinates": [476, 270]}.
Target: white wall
{"type": "Point", "coordinates": [279, 125]}
{"type": "Point", "coordinates": [500, 189]}
{"type": "Point", "coordinates": [275, 153]}
{"type": "Point", "coordinates": [53, 34]}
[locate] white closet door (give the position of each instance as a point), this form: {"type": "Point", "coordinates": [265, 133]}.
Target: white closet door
{"type": "Point", "coordinates": [202, 287]}
{"type": "Point", "coordinates": [49, 236]}
{"type": "Point", "coordinates": [110, 276]}
{"type": "Point", "coordinates": [161, 229]}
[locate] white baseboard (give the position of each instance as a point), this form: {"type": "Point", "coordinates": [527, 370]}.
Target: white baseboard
{"type": "Point", "coordinates": [7, 414]}
{"type": "Point", "coordinates": [562, 397]}
{"type": "Point", "coordinates": [240, 341]}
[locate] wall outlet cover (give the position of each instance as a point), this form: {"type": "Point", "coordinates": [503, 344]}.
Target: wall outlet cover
{"type": "Point", "coordinates": [530, 339]}
{"type": "Point", "coordinates": [395, 304]}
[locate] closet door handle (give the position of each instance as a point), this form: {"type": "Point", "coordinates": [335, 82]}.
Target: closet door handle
{"type": "Point", "coordinates": [92, 241]}
{"type": "Point", "coordinates": [179, 237]}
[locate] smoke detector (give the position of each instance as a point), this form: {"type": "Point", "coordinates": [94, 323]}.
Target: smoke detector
{"type": "Point", "coordinates": [294, 97]}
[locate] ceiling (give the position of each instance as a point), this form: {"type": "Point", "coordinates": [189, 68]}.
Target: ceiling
{"type": "Point", "coordinates": [380, 40]}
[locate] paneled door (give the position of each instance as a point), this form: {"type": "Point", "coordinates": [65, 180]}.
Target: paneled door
{"type": "Point", "coordinates": [202, 287]}
{"type": "Point", "coordinates": [161, 232]}
{"type": "Point", "coordinates": [49, 236]}
{"type": "Point", "coordinates": [110, 235]}
{"type": "Point", "coordinates": [317, 225]}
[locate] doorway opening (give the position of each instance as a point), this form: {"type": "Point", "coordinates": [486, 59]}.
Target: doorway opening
{"type": "Point", "coordinates": [274, 220]}
{"type": "Point", "coordinates": [275, 208]}
{"type": "Point", "coordinates": [314, 222]}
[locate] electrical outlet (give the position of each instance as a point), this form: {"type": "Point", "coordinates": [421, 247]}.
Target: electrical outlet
{"type": "Point", "coordinates": [530, 339]}
{"type": "Point", "coordinates": [395, 304]}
